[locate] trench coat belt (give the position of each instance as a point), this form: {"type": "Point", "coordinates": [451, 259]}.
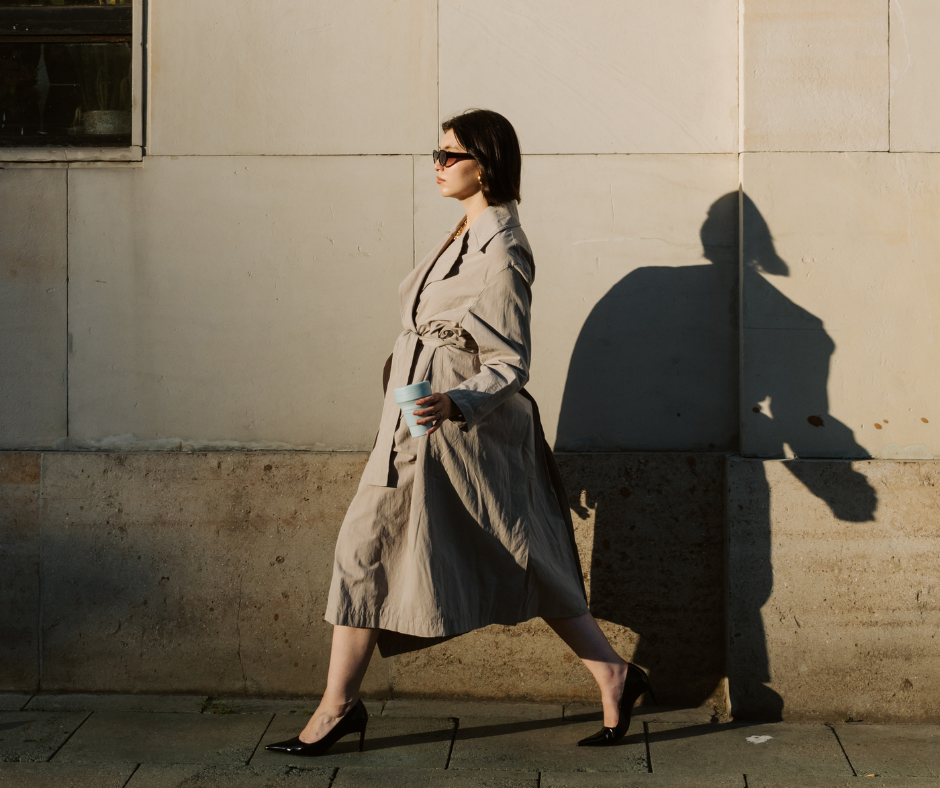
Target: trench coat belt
{"type": "Point", "coordinates": [377, 469]}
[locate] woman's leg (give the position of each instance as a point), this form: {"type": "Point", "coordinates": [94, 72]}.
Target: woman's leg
{"type": "Point", "coordinates": [586, 640]}
{"type": "Point", "coordinates": [349, 657]}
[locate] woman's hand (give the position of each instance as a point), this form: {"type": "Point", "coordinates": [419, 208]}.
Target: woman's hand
{"type": "Point", "coordinates": [436, 408]}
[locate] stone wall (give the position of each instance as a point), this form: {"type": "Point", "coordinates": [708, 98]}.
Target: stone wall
{"type": "Point", "coordinates": [732, 206]}
{"type": "Point", "coordinates": [208, 572]}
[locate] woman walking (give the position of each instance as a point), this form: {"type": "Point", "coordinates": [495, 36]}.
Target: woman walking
{"type": "Point", "coordinates": [468, 525]}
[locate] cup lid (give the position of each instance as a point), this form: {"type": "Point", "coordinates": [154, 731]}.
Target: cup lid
{"type": "Point", "coordinates": [414, 391]}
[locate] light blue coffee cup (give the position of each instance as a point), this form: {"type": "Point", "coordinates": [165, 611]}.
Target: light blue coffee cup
{"type": "Point", "coordinates": [407, 398]}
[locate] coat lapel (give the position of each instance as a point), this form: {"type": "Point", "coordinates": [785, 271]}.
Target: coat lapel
{"type": "Point", "coordinates": [490, 222]}
{"type": "Point", "coordinates": [410, 287]}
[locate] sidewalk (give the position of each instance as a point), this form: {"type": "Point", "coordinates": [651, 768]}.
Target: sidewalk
{"type": "Point", "coordinates": [153, 741]}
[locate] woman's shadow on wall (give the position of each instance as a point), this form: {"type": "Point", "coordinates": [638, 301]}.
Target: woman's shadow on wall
{"type": "Point", "coordinates": [656, 369]}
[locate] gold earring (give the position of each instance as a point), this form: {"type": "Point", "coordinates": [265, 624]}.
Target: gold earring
{"type": "Point", "coordinates": [479, 179]}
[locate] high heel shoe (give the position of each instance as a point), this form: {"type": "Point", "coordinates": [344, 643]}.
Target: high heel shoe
{"type": "Point", "coordinates": [353, 721]}
{"type": "Point", "coordinates": [637, 682]}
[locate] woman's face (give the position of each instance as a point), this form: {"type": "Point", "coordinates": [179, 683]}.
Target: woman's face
{"type": "Point", "coordinates": [459, 179]}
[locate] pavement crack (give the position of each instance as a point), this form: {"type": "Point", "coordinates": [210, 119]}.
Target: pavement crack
{"type": "Point", "coordinates": [261, 739]}
{"type": "Point", "coordinates": [841, 747]}
{"type": "Point", "coordinates": [67, 738]}
{"type": "Point", "coordinates": [646, 740]}
{"type": "Point", "coordinates": [453, 740]}
{"type": "Point", "coordinates": [333, 778]}
{"type": "Point", "coordinates": [131, 775]}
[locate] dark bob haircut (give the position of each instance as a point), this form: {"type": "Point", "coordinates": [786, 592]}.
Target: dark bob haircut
{"type": "Point", "coordinates": [492, 141]}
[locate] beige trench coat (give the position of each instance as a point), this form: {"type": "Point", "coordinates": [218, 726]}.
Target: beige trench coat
{"type": "Point", "coordinates": [468, 526]}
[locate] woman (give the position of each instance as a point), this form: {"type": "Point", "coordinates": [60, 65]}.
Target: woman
{"type": "Point", "coordinates": [468, 525]}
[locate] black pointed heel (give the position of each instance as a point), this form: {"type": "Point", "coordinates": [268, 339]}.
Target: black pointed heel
{"type": "Point", "coordinates": [354, 721]}
{"type": "Point", "coordinates": [637, 682]}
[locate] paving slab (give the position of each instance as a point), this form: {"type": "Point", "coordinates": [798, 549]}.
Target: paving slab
{"type": "Point", "coordinates": [407, 707]}
{"type": "Point", "coordinates": [35, 735]}
{"type": "Point", "coordinates": [892, 750]}
{"type": "Point", "coordinates": [594, 711]}
{"type": "Point", "coordinates": [612, 780]}
{"type": "Point", "coordinates": [165, 738]}
{"type": "Point", "coordinates": [357, 777]}
{"type": "Point", "coordinates": [230, 705]}
{"type": "Point", "coordinates": [13, 701]}
{"type": "Point", "coordinates": [87, 702]}
{"type": "Point", "coordinates": [391, 742]}
{"type": "Point", "coordinates": [497, 743]}
{"type": "Point", "coordinates": [765, 751]}
{"type": "Point", "coordinates": [188, 775]}
{"type": "Point", "coordinates": [65, 775]}
{"type": "Point", "coordinates": [846, 782]}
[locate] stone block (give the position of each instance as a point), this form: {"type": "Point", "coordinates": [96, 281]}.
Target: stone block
{"type": "Point", "coordinates": [498, 743]}
{"type": "Point", "coordinates": [868, 780]}
{"type": "Point", "coordinates": [33, 297]}
{"type": "Point", "coordinates": [785, 751]}
{"type": "Point", "coordinates": [814, 75]}
{"type": "Point", "coordinates": [839, 293]}
{"type": "Point", "coordinates": [832, 585]}
{"type": "Point", "coordinates": [356, 777]}
{"type": "Point", "coordinates": [407, 707]}
{"type": "Point", "coordinates": [19, 581]}
{"type": "Point", "coordinates": [188, 775]}
{"type": "Point", "coordinates": [915, 62]}
{"type": "Point", "coordinates": [177, 572]}
{"type": "Point", "coordinates": [309, 78]}
{"type": "Point", "coordinates": [78, 701]}
{"type": "Point", "coordinates": [634, 327]}
{"type": "Point", "coordinates": [634, 340]}
{"type": "Point", "coordinates": [609, 780]}
{"type": "Point", "coordinates": [892, 750]}
{"type": "Point", "coordinates": [35, 735]}
{"type": "Point", "coordinates": [222, 302]}
{"type": "Point", "coordinates": [60, 775]}
{"type": "Point", "coordinates": [596, 78]}
{"type": "Point", "coordinates": [165, 738]}
{"type": "Point", "coordinates": [391, 743]}
{"type": "Point", "coordinates": [649, 530]}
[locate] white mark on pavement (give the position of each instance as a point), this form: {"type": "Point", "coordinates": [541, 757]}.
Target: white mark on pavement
{"type": "Point", "coordinates": [758, 739]}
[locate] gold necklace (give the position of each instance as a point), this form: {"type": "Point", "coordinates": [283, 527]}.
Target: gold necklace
{"type": "Point", "coordinates": [460, 229]}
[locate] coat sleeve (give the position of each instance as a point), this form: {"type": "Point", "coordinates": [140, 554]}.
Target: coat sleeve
{"type": "Point", "coordinates": [499, 323]}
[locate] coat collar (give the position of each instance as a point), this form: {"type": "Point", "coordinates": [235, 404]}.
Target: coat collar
{"type": "Point", "coordinates": [493, 219]}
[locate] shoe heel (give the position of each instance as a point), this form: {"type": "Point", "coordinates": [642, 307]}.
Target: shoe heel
{"type": "Point", "coordinates": [362, 735]}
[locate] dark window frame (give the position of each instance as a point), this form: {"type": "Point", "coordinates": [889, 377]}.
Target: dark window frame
{"type": "Point", "coordinates": [70, 25]}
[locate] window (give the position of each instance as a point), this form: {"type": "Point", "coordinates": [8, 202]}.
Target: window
{"type": "Point", "coordinates": [68, 77]}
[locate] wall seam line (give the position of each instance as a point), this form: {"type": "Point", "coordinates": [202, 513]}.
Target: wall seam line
{"type": "Point", "coordinates": [68, 313]}
{"type": "Point", "coordinates": [39, 630]}
{"type": "Point", "coordinates": [889, 76]}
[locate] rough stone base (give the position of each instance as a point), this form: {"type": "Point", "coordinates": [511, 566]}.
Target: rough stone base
{"type": "Point", "coordinates": [208, 573]}
{"type": "Point", "coordinates": [834, 590]}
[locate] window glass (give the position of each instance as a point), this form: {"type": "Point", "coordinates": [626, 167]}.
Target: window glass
{"type": "Point", "coordinates": [57, 93]}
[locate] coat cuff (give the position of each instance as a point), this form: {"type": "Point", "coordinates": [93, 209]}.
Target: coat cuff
{"type": "Point", "coordinates": [461, 400]}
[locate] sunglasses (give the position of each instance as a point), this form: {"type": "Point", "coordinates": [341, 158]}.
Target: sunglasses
{"type": "Point", "coordinates": [447, 157]}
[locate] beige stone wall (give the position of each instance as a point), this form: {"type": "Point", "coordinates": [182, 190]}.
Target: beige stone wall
{"type": "Point", "coordinates": [236, 291]}
{"type": "Point", "coordinates": [209, 572]}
